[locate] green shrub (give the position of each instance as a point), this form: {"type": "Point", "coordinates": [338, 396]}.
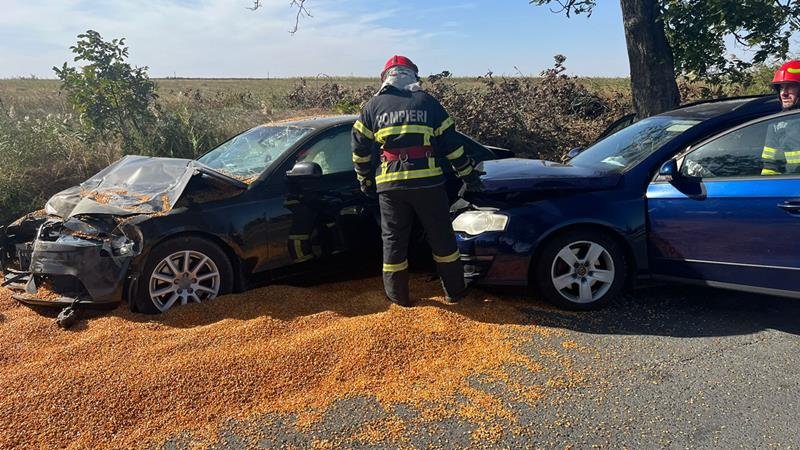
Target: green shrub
{"type": "Point", "coordinates": [112, 98]}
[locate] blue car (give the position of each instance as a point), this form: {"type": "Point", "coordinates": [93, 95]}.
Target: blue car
{"type": "Point", "coordinates": [679, 197]}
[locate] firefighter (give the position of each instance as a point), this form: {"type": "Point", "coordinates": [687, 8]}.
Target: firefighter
{"type": "Point", "coordinates": [414, 135]}
{"type": "Point", "coordinates": [781, 152]}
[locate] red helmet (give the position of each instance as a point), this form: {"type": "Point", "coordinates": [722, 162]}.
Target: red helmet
{"type": "Point", "coordinates": [788, 73]}
{"type": "Point", "coordinates": [398, 60]}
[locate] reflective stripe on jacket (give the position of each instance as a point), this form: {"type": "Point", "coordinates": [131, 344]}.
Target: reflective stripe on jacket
{"type": "Point", "coordinates": [397, 119]}
{"type": "Point", "coordinates": [781, 152]}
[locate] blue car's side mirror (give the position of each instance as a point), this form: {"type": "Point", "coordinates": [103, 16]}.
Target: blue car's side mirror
{"type": "Point", "coordinates": [669, 169]}
{"type": "Point", "coordinates": [574, 152]}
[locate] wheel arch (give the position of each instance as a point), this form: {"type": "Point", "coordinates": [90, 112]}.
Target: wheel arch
{"type": "Point", "coordinates": [630, 258]}
{"type": "Point", "coordinates": [230, 252]}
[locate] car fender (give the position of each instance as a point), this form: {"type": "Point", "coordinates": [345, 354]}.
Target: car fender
{"type": "Point", "coordinates": [633, 245]}
{"type": "Point", "coordinates": [228, 245]}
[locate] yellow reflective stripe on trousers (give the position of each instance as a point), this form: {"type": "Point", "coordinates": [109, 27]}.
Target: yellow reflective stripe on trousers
{"type": "Point", "coordinates": [455, 154]}
{"type": "Point", "coordinates": [793, 157]}
{"type": "Point", "coordinates": [361, 128]}
{"type": "Point", "coordinates": [447, 259]}
{"type": "Point", "coordinates": [408, 175]}
{"type": "Point", "coordinates": [446, 123]}
{"type": "Point", "coordinates": [299, 237]}
{"type": "Point", "coordinates": [768, 153]}
{"type": "Point", "coordinates": [766, 171]}
{"type": "Point", "coordinates": [361, 159]}
{"type": "Point", "coordinates": [395, 267]}
{"type": "Point", "coordinates": [424, 130]}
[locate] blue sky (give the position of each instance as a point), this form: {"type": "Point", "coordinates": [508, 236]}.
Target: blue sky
{"type": "Point", "coordinates": [222, 38]}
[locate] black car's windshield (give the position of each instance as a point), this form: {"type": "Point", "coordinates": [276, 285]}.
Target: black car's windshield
{"type": "Point", "coordinates": [625, 148]}
{"type": "Point", "coordinates": [247, 155]}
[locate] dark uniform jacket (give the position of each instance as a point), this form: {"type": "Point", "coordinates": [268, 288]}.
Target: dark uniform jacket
{"type": "Point", "coordinates": [415, 136]}
{"type": "Point", "coordinates": [781, 152]}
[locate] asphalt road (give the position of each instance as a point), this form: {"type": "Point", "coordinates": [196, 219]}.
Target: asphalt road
{"type": "Point", "coordinates": [668, 367]}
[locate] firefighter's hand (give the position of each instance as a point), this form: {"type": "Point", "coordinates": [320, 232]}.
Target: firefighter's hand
{"type": "Point", "coordinates": [472, 182]}
{"type": "Point", "coordinates": [368, 188]}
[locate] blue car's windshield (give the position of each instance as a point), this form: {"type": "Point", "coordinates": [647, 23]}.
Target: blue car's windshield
{"type": "Point", "coordinates": [625, 148]}
{"type": "Point", "coordinates": [247, 155]}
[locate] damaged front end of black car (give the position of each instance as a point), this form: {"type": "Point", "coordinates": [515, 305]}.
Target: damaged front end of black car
{"type": "Point", "coordinates": [77, 251]}
{"type": "Point", "coordinates": [50, 261]}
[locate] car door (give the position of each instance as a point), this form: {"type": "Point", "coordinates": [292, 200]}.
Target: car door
{"type": "Point", "coordinates": [342, 216]}
{"type": "Point", "coordinates": [721, 222]}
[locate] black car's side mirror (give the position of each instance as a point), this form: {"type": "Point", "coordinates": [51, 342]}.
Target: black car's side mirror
{"type": "Point", "coordinates": [305, 169]}
{"type": "Point", "coordinates": [669, 169]}
{"type": "Point", "coordinates": [573, 152]}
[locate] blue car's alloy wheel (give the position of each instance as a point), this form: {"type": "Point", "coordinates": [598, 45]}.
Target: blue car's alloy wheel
{"type": "Point", "coordinates": [582, 272]}
{"type": "Point", "coordinates": [581, 269]}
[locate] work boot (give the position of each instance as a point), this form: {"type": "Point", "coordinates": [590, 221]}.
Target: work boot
{"type": "Point", "coordinates": [404, 303]}
{"type": "Point", "coordinates": [452, 300]}
{"type": "Point", "coordinates": [455, 299]}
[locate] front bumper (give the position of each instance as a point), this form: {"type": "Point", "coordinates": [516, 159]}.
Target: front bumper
{"type": "Point", "coordinates": [89, 263]}
{"type": "Point", "coordinates": [493, 259]}
{"type": "Point", "coordinates": [61, 274]}
{"type": "Point", "coordinates": [58, 268]}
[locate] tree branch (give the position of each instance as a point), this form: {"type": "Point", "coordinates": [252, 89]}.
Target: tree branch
{"type": "Point", "coordinates": [569, 6]}
{"type": "Point", "coordinates": [791, 12]}
{"type": "Point", "coordinates": [301, 10]}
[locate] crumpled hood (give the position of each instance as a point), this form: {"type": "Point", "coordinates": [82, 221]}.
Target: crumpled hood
{"type": "Point", "coordinates": [132, 185]}
{"type": "Point", "coordinates": [517, 174]}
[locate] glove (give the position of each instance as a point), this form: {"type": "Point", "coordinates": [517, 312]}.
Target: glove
{"type": "Point", "coordinates": [368, 188]}
{"type": "Point", "coordinates": [472, 182]}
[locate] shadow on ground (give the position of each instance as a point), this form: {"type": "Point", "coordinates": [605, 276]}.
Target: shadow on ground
{"type": "Point", "coordinates": [679, 311]}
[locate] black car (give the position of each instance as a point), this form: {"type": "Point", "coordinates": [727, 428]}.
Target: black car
{"type": "Point", "coordinates": [164, 231]}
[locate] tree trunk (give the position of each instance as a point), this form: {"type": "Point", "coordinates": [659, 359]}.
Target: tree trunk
{"type": "Point", "coordinates": [652, 67]}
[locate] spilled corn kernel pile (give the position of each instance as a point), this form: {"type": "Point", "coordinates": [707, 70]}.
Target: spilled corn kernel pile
{"type": "Point", "coordinates": [118, 379]}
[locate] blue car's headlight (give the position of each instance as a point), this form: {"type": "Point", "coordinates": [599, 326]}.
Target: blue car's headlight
{"type": "Point", "coordinates": [477, 222]}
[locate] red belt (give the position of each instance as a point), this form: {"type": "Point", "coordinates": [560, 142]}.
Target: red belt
{"type": "Point", "coordinates": [394, 154]}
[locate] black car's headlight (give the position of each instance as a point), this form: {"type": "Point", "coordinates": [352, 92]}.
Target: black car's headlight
{"type": "Point", "coordinates": [477, 222]}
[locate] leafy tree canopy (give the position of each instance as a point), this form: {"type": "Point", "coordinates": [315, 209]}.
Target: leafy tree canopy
{"type": "Point", "coordinates": [697, 31]}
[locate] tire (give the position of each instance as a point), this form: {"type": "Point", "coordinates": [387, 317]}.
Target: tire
{"type": "Point", "coordinates": [165, 283]}
{"type": "Point", "coordinates": [581, 270]}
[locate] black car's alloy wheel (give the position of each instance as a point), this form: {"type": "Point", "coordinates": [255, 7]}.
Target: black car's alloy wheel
{"type": "Point", "coordinates": [180, 271]}
{"type": "Point", "coordinates": [582, 269]}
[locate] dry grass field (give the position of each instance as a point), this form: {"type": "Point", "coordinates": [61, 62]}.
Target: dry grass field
{"type": "Point", "coordinates": [42, 96]}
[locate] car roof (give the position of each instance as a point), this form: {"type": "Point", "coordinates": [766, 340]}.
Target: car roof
{"type": "Point", "coordinates": [317, 122]}
{"type": "Point", "coordinates": [702, 110]}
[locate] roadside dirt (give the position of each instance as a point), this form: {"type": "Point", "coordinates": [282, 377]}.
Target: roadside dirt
{"type": "Point", "coordinates": [126, 380]}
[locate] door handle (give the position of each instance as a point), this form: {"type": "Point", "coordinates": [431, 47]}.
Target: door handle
{"type": "Point", "coordinates": [790, 206]}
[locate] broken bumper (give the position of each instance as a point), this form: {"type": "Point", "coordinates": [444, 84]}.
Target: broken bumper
{"type": "Point", "coordinates": [64, 269]}
{"type": "Point", "coordinates": [60, 274]}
